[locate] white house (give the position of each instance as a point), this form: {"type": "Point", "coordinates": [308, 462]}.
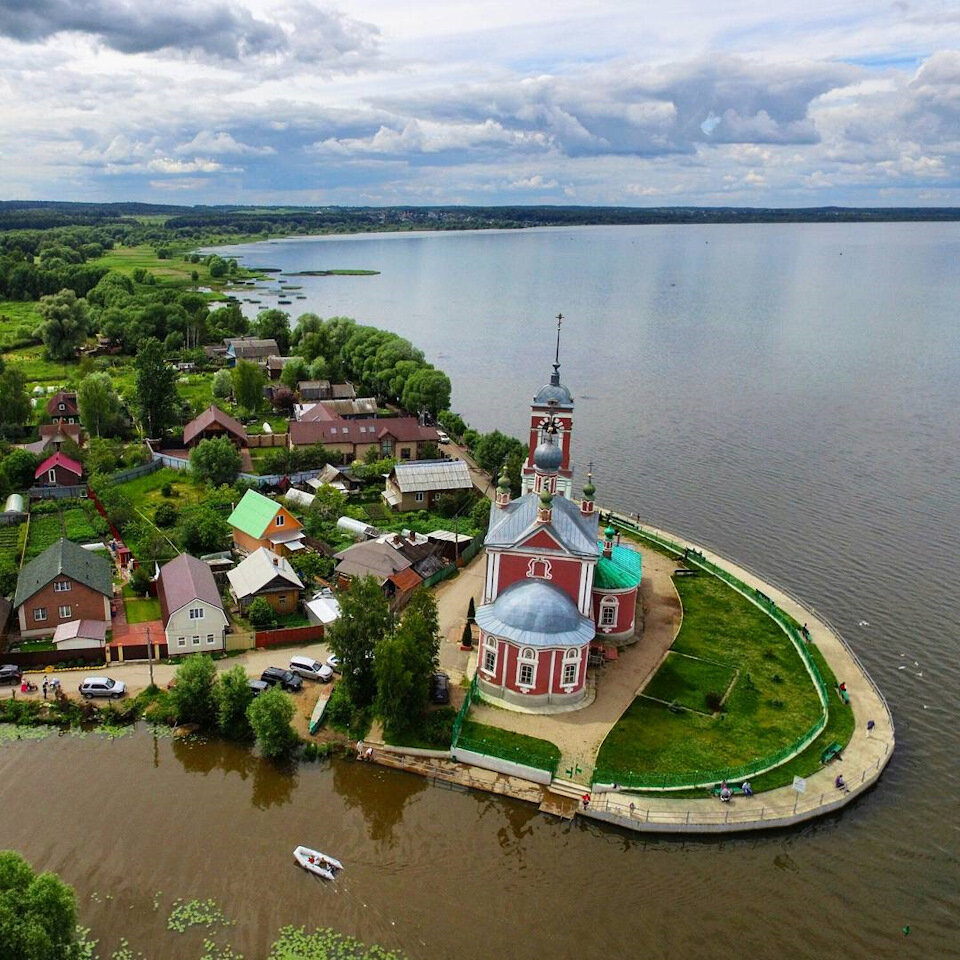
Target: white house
{"type": "Point", "coordinates": [193, 617]}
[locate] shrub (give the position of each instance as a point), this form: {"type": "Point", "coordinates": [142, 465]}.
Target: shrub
{"type": "Point", "coordinates": [140, 582]}
{"type": "Point", "coordinates": [260, 613]}
{"type": "Point", "coordinates": [166, 490]}
{"type": "Point", "coordinates": [194, 693]}
{"type": "Point", "coordinates": [270, 715]}
{"type": "Point", "coordinates": [165, 515]}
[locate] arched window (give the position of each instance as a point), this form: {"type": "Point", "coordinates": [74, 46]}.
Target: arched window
{"type": "Point", "coordinates": [608, 611]}
{"type": "Point", "coordinates": [571, 667]}
{"type": "Point", "coordinates": [539, 568]}
{"type": "Point", "coordinates": [490, 655]}
{"type": "Point", "coordinates": [527, 667]}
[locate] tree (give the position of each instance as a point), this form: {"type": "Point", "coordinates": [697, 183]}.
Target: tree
{"type": "Point", "coordinates": [204, 530]}
{"type": "Point", "coordinates": [274, 325]}
{"type": "Point", "coordinates": [14, 399]}
{"type": "Point", "coordinates": [222, 384]}
{"type": "Point", "coordinates": [234, 697]}
{"type": "Point", "coordinates": [492, 450]}
{"type": "Point", "coordinates": [480, 515]}
{"type": "Point", "coordinates": [427, 391]}
{"type": "Point", "coordinates": [466, 637]}
{"type": "Point", "coordinates": [248, 383]}
{"type": "Point", "coordinates": [270, 715]}
{"type": "Point", "coordinates": [194, 695]}
{"type": "Point", "coordinates": [404, 664]}
{"type": "Point", "coordinates": [364, 621]}
{"type": "Point", "coordinates": [19, 467]}
{"type": "Point", "coordinates": [215, 461]}
{"type": "Point", "coordinates": [471, 611]}
{"type": "Point", "coordinates": [293, 372]}
{"type": "Point", "coordinates": [140, 581]}
{"type": "Point", "coordinates": [260, 613]}
{"type": "Point", "coordinates": [165, 515]}
{"type": "Point", "coordinates": [452, 423]}
{"type": "Point", "coordinates": [99, 404]}
{"type": "Point", "coordinates": [66, 320]}
{"type": "Point", "coordinates": [156, 388]}
{"type": "Point", "coordinates": [38, 913]}
{"type": "Point", "coordinates": [329, 503]}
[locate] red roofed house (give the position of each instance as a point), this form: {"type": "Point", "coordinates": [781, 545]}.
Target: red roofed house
{"type": "Point", "coordinates": [213, 422]}
{"type": "Point", "coordinates": [400, 437]}
{"type": "Point", "coordinates": [62, 407]}
{"type": "Point", "coordinates": [193, 616]}
{"type": "Point", "coordinates": [58, 471]}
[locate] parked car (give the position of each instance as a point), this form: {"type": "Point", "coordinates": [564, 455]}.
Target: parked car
{"type": "Point", "coordinates": [311, 669]}
{"type": "Point", "coordinates": [440, 688]}
{"type": "Point", "coordinates": [333, 662]}
{"type": "Point", "coordinates": [102, 687]}
{"type": "Point", "coordinates": [258, 686]}
{"type": "Point", "coordinates": [9, 673]}
{"type": "Point", "coordinates": [286, 679]}
{"type": "Point", "coordinates": [442, 437]}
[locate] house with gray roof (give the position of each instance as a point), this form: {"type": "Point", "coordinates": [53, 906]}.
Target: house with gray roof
{"type": "Point", "coordinates": [268, 575]}
{"type": "Point", "coordinates": [64, 583]}
{"type": "Point", "coordinates": [194, 620]}
{"type": "Point", "coordinates": [418, 484]}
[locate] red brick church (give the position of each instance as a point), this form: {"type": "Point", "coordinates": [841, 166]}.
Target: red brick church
{"type": "Point", "coordinates": [554, 582]}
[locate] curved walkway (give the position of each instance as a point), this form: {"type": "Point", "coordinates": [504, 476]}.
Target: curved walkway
{"type": "Point", "coordinates": [863, 759]}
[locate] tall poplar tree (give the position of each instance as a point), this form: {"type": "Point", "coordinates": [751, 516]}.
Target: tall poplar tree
{"type": "Point", "coordinates": [156, 385]}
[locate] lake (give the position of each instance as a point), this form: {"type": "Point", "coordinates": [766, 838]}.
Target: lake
{"type": "Point", "coordinates": [787, 394]}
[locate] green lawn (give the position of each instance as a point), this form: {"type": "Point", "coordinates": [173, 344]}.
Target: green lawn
{"type": "Point", "coordinates": [144, 492]}
{"type": "Point", "coordinates": [772, 704]}
{"type": "Point", "coordinates": [77, 524]}
{"type": "Point", "coordinates": [44, 530]}
{"type": "Point", "coordinates": [141, 610]}
{"type": "Point", "coordinates": [508, 745]}
{"type": "Point", "coordinates": [687, 681]}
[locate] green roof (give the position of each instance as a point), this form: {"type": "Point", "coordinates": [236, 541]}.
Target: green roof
{"type": "Point", "coordinates": [620, 571]}
{"type": "Point", "coordinates": [253, 513]}
{"type": "Point", "coordinates": [67, 558]}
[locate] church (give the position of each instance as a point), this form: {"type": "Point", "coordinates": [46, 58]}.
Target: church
{"type": "Point", "coordinates": [555, 583]}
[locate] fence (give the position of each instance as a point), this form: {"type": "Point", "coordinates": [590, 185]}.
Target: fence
{"type": "Point", "coordinates": [267, 439]}
{"type": "Point", "coordinates": [464, 710]}
{"type": "Point", "coordinates": [288, 636]}
{"type": "Point", "coordinates": [131, 473]}
{"type": "Point", "coordinates": [704, 778]}
{"type": "Point", "coordinates": [57, 493]}
{"type": "Point", "coordinates": [38, 659]}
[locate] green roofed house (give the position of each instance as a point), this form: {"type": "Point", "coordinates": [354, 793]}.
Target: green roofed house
{"type": "Point", "coordinates": [63, 584]}
{"type": "Point", "coordinates": [258, 521]}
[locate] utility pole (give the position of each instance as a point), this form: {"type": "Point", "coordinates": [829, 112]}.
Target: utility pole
{"type": "Point", "coordinates": [150, 655]}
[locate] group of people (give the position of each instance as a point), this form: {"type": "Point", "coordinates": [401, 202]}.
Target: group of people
{"type": "Point", "coordinates": [364, 754]}
{"type": "Point", "coordinates": [726, 792]}
{"type": "Point", "coordinates": [50, 684]}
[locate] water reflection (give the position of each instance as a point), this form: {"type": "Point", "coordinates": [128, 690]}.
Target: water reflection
{"type": "Point", "coordinates": [381, 795]}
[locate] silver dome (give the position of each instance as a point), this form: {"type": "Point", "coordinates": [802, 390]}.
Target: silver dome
{"type": "Point", "coordinates": [553, 393]}
{"type": "Point", "coordinates": [536, 613]}
{"type": "Point", "coordinates": [547, 457]}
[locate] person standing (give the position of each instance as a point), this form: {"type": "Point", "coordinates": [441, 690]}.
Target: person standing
{"type": "Point", "coordinates": [44, 688]}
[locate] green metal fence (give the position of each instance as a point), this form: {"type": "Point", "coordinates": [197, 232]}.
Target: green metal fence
{"type": "Point", "coordinates": [698, 778]}
{"type": "Point", "coordinates": [464, 710]}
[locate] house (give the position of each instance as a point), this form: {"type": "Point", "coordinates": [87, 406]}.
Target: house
{"type": "Point", "coordinates": [342, 391]}
{"type": "Point", "coordinates": [81, 634]}
{"type": "Point", "coordinates": [64, 583]}
{"type": "Point", "coordinates": [380, 560]}
{"type": "Point", "coordinates": [417, 485]}
{"type": "Point", "coordinates": [213, 422]}
{"type": "Point", "coordinates": [323, 608]}
{"type": "Point", "coordinates": [258, 521]}
{"type": "Point", "coordinates": [357, 408]}
{"type": "Point", "coordinates": [52, 438]}
{"type": "Point", "coordinates": [400, 437]}
{"type": "Point", "coordinates": [193, 617]}
{"type": "Point", "coordinates": [340, 478]}
{"type": "Point", "coordinates": [268, 575]}
{"type": "Point", "coordinates": [62, 407]}
{"type": "Point", "coordinates": [275, 365]}
{"type": "Point", "coordinates": [250, 348]}
{"type": "Point", "coordinates": [325, 390]}
{"type": "Point", "coordinates": [58, 470]}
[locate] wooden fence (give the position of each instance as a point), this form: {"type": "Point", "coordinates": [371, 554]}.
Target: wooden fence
{"type": "Point", "coordinates": [289, 636]}
{"type": "Point", "coordinates": [267, 439]}
{"type": "Point", "coordinates": [38, 659]}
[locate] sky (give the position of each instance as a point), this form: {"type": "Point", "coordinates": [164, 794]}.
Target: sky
{"type": "Point", "coordinates": [376, 102]}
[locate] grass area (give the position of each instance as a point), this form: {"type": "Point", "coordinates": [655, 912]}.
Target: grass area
{"type": "Point", "coordinates": [689, 681]}
{"type": "Point", "coordinates": [32, 646]}
{"type": "Point", "coordinates": [45, 529]}
{"type": "Point", "coordinates": [18, 321]}
{"type": "Point", "coordinates": [140, 610]}
{"type": "Point", "coordinates": [38, 370]}
{"type": "Point", "coordinates": [145, 492]}
{"type": "Point", "coordinates": [773, 703]}
{"type": "Point", "coordinates": [433, 731]}
{"type": "Point", "coordinates": [76, 522]}
{"type": "Point", "coordinates": [508, 745]}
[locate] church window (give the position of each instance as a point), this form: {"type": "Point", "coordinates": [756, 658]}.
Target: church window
{"type": "Point", "coordinates": [527, 668]}
{"type": "Point", "coordinates": [490, 655]}
{"type": "Point", "coordinates": [540, 568]}
{"type": "Point", "coordinates": [608, 611]}
{"type": "Point", "coordinates": [570, 674]}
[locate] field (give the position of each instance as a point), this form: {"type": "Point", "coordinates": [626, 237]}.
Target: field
{"type": "Point", "coordinates": [688, 681]}
{"type": "Point", "coordinates": [45, 530]}
{"type": "Point", "coordinates": [9, 535]}
{"type": "Point", "coordinates": [771, 705]}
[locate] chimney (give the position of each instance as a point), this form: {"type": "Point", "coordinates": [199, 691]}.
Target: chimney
{"type": "Point", "coordinates": [276, 561]}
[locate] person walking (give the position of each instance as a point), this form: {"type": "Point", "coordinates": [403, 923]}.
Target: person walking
{"type": "Point", "coordinates": [44, 688]}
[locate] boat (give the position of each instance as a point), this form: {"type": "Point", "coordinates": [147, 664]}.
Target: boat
{"type": "Point", "coordinates": [316, 862]}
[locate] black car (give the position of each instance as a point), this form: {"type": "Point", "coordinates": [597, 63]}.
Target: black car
{"type": "Point", "coordinates": [287, 679]}
{"type": "Point", "coordinates": [440, 688]}
{"type": "Point", "coordinates": [9, 673]}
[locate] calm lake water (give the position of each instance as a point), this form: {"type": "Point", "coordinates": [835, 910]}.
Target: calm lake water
{"type": "Point", "coordinates": [787, 394]}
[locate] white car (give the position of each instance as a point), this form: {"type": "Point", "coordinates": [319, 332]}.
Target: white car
{"type": "Point", "coordinates": [442, 437]}
{"type": "Point", "coordinates": [333, 662]}
{"type": "Point", "coordinates": [311, 669]}
{"type": "Point", "coordinates": [102, 687]}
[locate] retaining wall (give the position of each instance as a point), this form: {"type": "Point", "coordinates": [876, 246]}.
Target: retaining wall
{"type": "Point", "coordinates": [508, 767]}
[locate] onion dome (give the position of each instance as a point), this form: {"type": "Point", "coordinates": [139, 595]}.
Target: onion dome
{"type": "Point", "coordinates": [610, 533]}
{"type": "Point", "coordinates": [547, 457]}
{"type": "Point", "coordinates": [504, 482]}
{"type": "Point", "coordinates": [589, 489]}
{"type": "Point", "coordinates": [546, 498]}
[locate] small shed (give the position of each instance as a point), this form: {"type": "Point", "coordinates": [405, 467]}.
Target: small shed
{"type": "Point", "coordinates": [80, 634]}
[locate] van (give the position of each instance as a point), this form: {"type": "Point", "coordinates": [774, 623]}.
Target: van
{"type": "Point", "coordinates": [311, 669]}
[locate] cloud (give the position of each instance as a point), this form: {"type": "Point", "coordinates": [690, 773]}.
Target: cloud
{"type": "Point", "coordinates": [215, 29]}
{"type": "Point", "coordinates": [221, 142]}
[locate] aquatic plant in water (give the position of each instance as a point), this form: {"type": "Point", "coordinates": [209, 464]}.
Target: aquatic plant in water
{"type": "Point", "coordinates": [213, 951]}
{"type": "Point", "coordinates": [294, 943]}
{"type": "Point", "coordinates": [196, 913]}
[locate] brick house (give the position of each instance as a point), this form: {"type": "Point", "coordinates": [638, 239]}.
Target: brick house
{"type": "Point", "coordinates": [58, 470]}
{"type": "Point", "coordinates": [400, 437]}
{"type": "Point", "coordinates": [258, 521]}
{"type": "Point", "coordinates": [62, 407]}
{"type": "Point", "coordinates": [213, 422]}
{"type": "Point", "coordinates": [63, 584]}
{"type": "Point", "coordinates": [268, 575]}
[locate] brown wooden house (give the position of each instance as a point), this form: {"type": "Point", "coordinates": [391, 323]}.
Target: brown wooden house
{"type": "Point", "coordinates": [58, 470]}
{"type": "Point", "coordinates": [213, 422]}
{"type": "Point", "coordinates": [268, 575]}
{"type": "Point", "coordinates": [62, 407]}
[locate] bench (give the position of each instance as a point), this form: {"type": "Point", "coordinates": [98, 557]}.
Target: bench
{"type": "Point", "coordinates": [833, 751]}
{"type": "Point", "coordinates": [684, 572]}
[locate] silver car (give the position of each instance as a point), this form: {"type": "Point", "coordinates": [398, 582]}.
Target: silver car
{"type": "Point", "coordinates": [102, 687]}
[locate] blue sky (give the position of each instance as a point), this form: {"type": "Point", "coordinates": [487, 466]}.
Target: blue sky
{"type": "Point", "coordinates": [376, 102]}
